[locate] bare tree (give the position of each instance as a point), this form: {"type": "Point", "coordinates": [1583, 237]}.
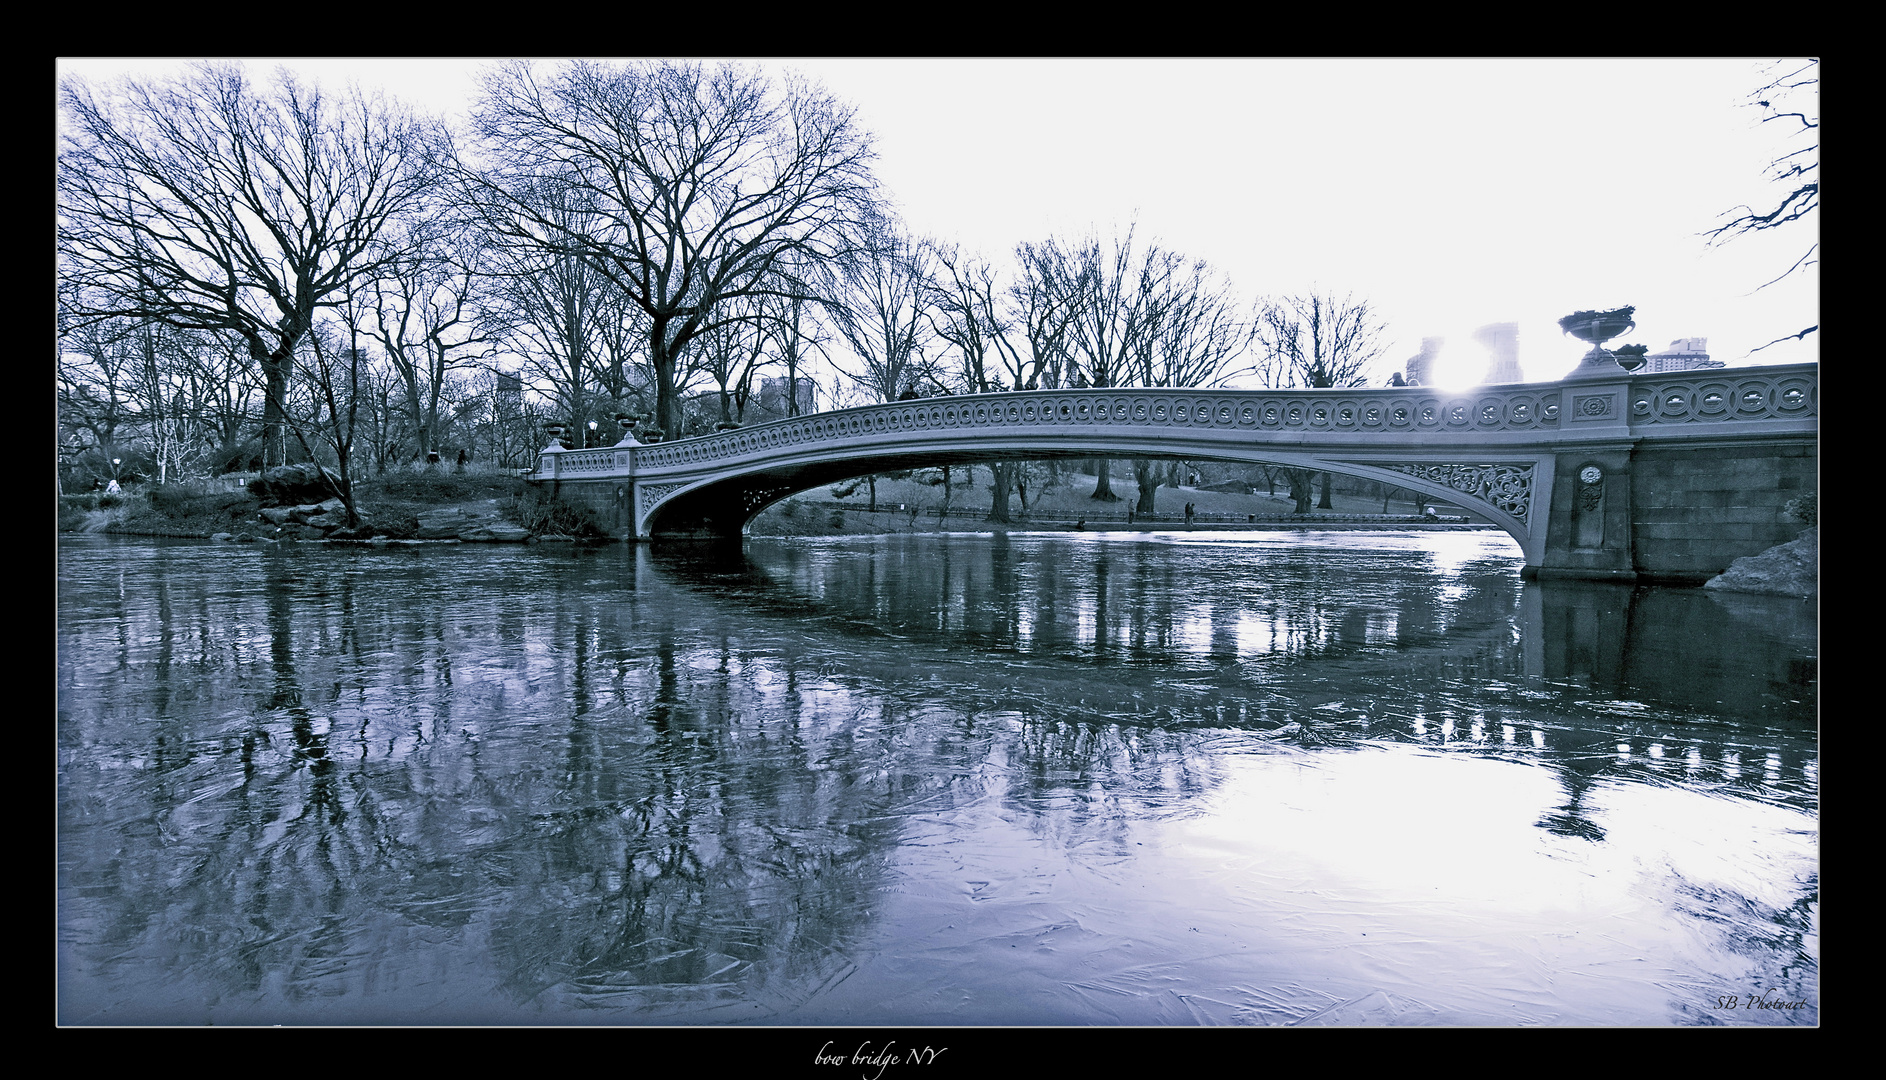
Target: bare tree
{"type": "Point", "coordinates": [97, 368]}
{"type": "Point", "coordinates": [618, 358]}
{"type": "Point", "coordinates": [880, 309]}
{"type": "Point", "coordinates": [968, 314]}
{"type": "Point", "coordinates": [795, 332]}
{"type": "Point", "coordinates": [165, 386]}
{"type": "Point", "coordinates": [557, 306]}
{"type": "Point", "coordinates": [431, 316]}
{"type": "Point", "coordinates": [1114, 297]}
{"type": "Point", "coordinates": [207, 202]}
{"type": "Point", "coordinates": [324, 417]}
{"type": "Point", "coordinates": [1199, 336]}
{"type": "Point", "coordinates": [1792, 101]}
{"type": "Point", "coordinates": [1317, 340]}
{"type": "Point", "coordinates": [697, 185]}
{"type": "Point", "coordinates": [731, 353]}
{"type": "Point", "coordinates": [1043, 312]}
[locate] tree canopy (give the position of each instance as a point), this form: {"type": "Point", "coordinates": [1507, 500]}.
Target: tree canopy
{"type": "Point", "coordinates": [211, 202]}
{"type": "Point", "coordinates": [693, 185]}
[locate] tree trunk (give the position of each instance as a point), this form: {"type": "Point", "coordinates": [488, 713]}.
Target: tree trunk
{"type": "Point", "coordinates": [1147, 474]}
{"type": "Point", "coordinates": [662, 357]}
{"type": "Point", "coordinates": [1302, 489]}
{"type": "Point", "coordinates": [1103, 481]}
{"type": "Point", "coordinates": [1002, 478]}
{"type": "Point", "coordinates": [276, 367]}
{"type": "Point", "coordinates": [871, 482]}
{"type": "Point", "coordinates": [1324, 503]}
{"type": "Point", "coordinates": [417, 412]}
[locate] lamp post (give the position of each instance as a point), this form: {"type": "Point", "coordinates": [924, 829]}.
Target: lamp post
{"type": "Point", "coordinates": [589, 440]}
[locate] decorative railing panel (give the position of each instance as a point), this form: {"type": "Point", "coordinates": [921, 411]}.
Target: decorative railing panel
{"type": "Point", "coordinates": [1388, 413]}
{"type": "Point", "coordinates": [1505, 487]}
{"type": "Point", "coordinates": [1726, 396]}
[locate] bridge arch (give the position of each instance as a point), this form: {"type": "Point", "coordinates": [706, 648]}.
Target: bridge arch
{"type": "Point", "coordinates": [1501, 493]}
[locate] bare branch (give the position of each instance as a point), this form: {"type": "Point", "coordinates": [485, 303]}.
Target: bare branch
{"type": "Point", "coordinates": [1802, 336]}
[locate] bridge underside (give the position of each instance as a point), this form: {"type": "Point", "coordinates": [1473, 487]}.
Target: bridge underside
{"type": "Point", "coordinates": [725, 507]}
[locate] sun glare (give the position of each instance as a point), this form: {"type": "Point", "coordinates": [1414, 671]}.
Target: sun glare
{"type": "Point", "coordinates": [1459, 366]}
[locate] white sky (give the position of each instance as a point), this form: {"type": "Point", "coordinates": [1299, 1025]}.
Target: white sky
{"type": "Point", "coordinates": [1449, 192]}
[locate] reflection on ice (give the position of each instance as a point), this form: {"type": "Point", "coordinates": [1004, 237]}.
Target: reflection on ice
{"type": "Point", "coordinates": [956, 780]}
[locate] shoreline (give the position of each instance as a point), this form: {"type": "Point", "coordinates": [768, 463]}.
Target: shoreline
{"type": "Point", "coordinates": [989, 528]}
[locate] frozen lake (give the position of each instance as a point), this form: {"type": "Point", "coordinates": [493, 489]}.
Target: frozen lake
{"type": "Point", "coordinates": [1282, 778]}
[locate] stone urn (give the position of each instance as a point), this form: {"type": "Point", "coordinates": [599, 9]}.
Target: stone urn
{"type": "Point", "coordinates": [1596, 328]}
{"type": "Point", "coordinates": [627, 421]}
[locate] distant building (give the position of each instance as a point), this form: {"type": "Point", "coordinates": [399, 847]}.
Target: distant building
{"type": "Point", "coordinates": [1419, 368]}
{"type": "Point", "coordinates": [1503, 340]}
{"type": "Point", "coordinates": [1684, 354]}
{"type": "Point", "coordinates": [510, 386]}
{"type": "Point", "coordinates": [774, 397]}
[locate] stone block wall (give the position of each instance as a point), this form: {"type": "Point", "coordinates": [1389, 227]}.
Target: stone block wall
{"type": "Point", "coordinates": [610, 499]}
{"type": "Point", "coordinates": [1696, 510]}
{"type": "Point", "coordinates": [1591, 538]}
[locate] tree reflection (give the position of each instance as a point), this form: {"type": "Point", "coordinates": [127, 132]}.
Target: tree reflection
{"type": "Point", "coordinates": [660, 783]}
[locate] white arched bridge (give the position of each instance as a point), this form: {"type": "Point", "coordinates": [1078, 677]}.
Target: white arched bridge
{"type": "Point", "coordinates": [1663, 477]}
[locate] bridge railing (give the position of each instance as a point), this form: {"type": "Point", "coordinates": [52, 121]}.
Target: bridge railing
{"type": "Point", "coordinates": [1393, 414]}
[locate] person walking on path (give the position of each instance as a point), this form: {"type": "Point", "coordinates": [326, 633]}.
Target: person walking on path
{"type": "Point", "coordinates": [1188, 514]}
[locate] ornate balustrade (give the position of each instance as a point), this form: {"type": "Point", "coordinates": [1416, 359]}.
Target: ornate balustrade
{"type": "Point", "coordinates": [1392, 416]}
{"type": "Point", "coordinates": [1395, 412]}
{"type": "Point", "coordinates": [1724, 396]}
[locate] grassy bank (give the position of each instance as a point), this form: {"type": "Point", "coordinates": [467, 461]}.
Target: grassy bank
{"type": "Point", "coordinates": [842, 509]}
{"type": "Point", "coordinates": [392, 504]}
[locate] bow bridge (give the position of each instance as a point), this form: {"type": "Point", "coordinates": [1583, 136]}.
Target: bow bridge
{"type": "Point", "coordinates": [1659, 477]}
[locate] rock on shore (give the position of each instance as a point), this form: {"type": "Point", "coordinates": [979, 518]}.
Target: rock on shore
{"type": "Point", "coordinates": [1790, 569]}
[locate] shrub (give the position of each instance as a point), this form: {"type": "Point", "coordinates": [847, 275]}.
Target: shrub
{"type": "Point", "coordinates": [1804, 509]}
{"type": "Point", "coordinates": [170, 499]}
{"type": "Point", "coordinates": [440, 485]}
{"type": "Point", "coordinates": [397, 526]}
{"type": "Point", "coordinates": [177, 502]}
{"type": "Point", "coordinates": [545, 515]}
{"type": "Point", "coordinates": [837, 520]}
